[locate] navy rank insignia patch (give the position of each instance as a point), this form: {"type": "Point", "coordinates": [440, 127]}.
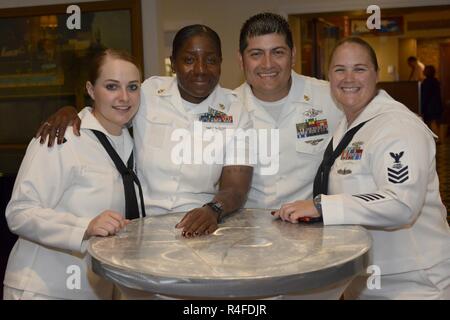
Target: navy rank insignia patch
{"type": "Point", "coordinates": [397, 171]}
{"type": "Point", "coordinates": [215, 116]}
{"type": "Point", "coordinates": [353, 152]}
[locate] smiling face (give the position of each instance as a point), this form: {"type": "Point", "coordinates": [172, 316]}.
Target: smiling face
{"type": "Point", "coordinates": [353, 78]}
{"type": "Point", "coordinates": [197, 65]}
{"type": "Point", "coordinates": [116, 94]}
{"type": "Point", "coordinates": [267, 62]}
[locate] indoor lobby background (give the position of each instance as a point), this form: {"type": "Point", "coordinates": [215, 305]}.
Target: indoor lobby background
{"type": "Point", "coordinates": [316, 26]}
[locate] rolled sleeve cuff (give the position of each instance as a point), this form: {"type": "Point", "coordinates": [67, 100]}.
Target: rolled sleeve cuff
{"type": "Point", "coordinates": [332, 209]}
{"type": "Point", "coordinates": [76, 239]}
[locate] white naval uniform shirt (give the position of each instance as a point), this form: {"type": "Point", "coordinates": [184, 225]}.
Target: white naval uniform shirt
{"type": "Point", "coordinates": [174, 186]}
{"type": "Point", "coordinates": [300, 153]}
{"type": "Point", "coordinates": [386, 180]}
{"type": "Point", "coordinates": [58, 191]}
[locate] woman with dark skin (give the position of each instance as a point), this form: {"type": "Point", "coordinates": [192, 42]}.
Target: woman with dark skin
{"type": "Point", "coordinates": [206, 191]}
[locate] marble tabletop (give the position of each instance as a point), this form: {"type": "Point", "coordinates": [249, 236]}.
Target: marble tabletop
{"type": "Point", "coordinates": [250, 255]}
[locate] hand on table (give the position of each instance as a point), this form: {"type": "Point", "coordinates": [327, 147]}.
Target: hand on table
{"type": "Point", "coordinates": [107, 223]}
{"type": "Point", "coordinates": [197, 222]}
{"type": "Point", "coordinates": [292, 212]}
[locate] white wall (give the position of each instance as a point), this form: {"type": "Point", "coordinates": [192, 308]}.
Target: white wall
{"type": "Point", "coordinates": [384, 47]}
{"type": "Point", "coordinates": [224, 16]}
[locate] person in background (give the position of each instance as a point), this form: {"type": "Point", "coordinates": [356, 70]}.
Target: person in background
{"type": "Point", "coordinates": [379, 171]}
{"type": "Point", "coordinates": [206, 191]}
{"type": "Point", "coordinates": [417, 68]}
{"type": "Point", "coordinates": [431, 99]}
{"type": "Point", "coordinates": [65, 195]}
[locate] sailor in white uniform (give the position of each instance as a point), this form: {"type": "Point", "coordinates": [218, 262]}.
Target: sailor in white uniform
{"type": "Point", "coordinates": [383, 178]}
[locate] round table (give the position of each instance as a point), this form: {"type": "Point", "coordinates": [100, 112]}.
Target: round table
{"type": "Point", "coordinates": [251, 254]}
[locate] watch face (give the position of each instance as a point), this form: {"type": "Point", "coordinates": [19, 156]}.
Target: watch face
{"type": "Point", "coordinates": [216, 206]}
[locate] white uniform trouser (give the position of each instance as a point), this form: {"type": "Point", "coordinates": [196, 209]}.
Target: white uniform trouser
{"type": "Point", "coordinates": [427, 284]}
{"type": "Point", "coordinates": [16, 294]}
{"type": "Point", "coordinates": [10, 293]}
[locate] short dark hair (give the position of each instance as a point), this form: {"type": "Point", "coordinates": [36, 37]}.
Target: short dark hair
{"type": "Point", "coordinates": [97, 61]}
{"type": "Point", "coordinates": [262, 24]}
{"type": "Point", "coordinates": [194, 30]}
{"type": "Point", "coordinates": [412, 59]}
{"type": "Point", "coordinates": [429, 71]}
{"type": "Point", "coordinates": [362, 43]}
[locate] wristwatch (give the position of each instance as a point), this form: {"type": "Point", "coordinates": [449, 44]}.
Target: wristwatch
{"type": "Point", "coordinates": [217, 207]}
{"type": "Point", "coordinates": [318, 203]}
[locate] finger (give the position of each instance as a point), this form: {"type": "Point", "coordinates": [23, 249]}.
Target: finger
{"type": "Point", "coordinates": [123, 223]}
{"type": "Point", "coordinates": [285, 212]}
{"type": "Point", "coordinates": [61, 126]}
{"type": "Point", "coordinates": [41, 128]}
{"type": "Point", "coordinates": [52, 135]}
{"type": "Point", "coordinates": [58, 134]}
{"type": "Point", "coordinates": [44, 133]}
{"type": "Point", "coordinates": [61, 134]}
{"type": "Point", "coordinates": [76, 126]}
{"type": "Point", "coordinates": [182, 222]}
{"type": "Point", "coordinates": [115, 225]}
{"type": "Point", "coordinates": [295, 216]}
{"type": "Point", "coordinates": [117, 219]}
{"type": "Point", "coordinates": [211, 229]}
{"type": "Point", "coordinates": [115, 215]}
{"type": "Point", "coordinates": [202, 228]}
{"type": "Point", "coordinates": [276, 213]}
{"type": "Point", "coordinates": [199, 220]}
{"type": "Point", "coordinates": [187, 229]}
{"type": "Point", "coordinates": [280, 213]}
{"type": "Point", "coordinates": [106, 226]}
{"type": "Point", "coordinates": [99, 231]}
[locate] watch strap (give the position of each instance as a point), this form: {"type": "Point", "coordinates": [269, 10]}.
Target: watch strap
{"type": "Point", "coordinates": [217, 207]}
